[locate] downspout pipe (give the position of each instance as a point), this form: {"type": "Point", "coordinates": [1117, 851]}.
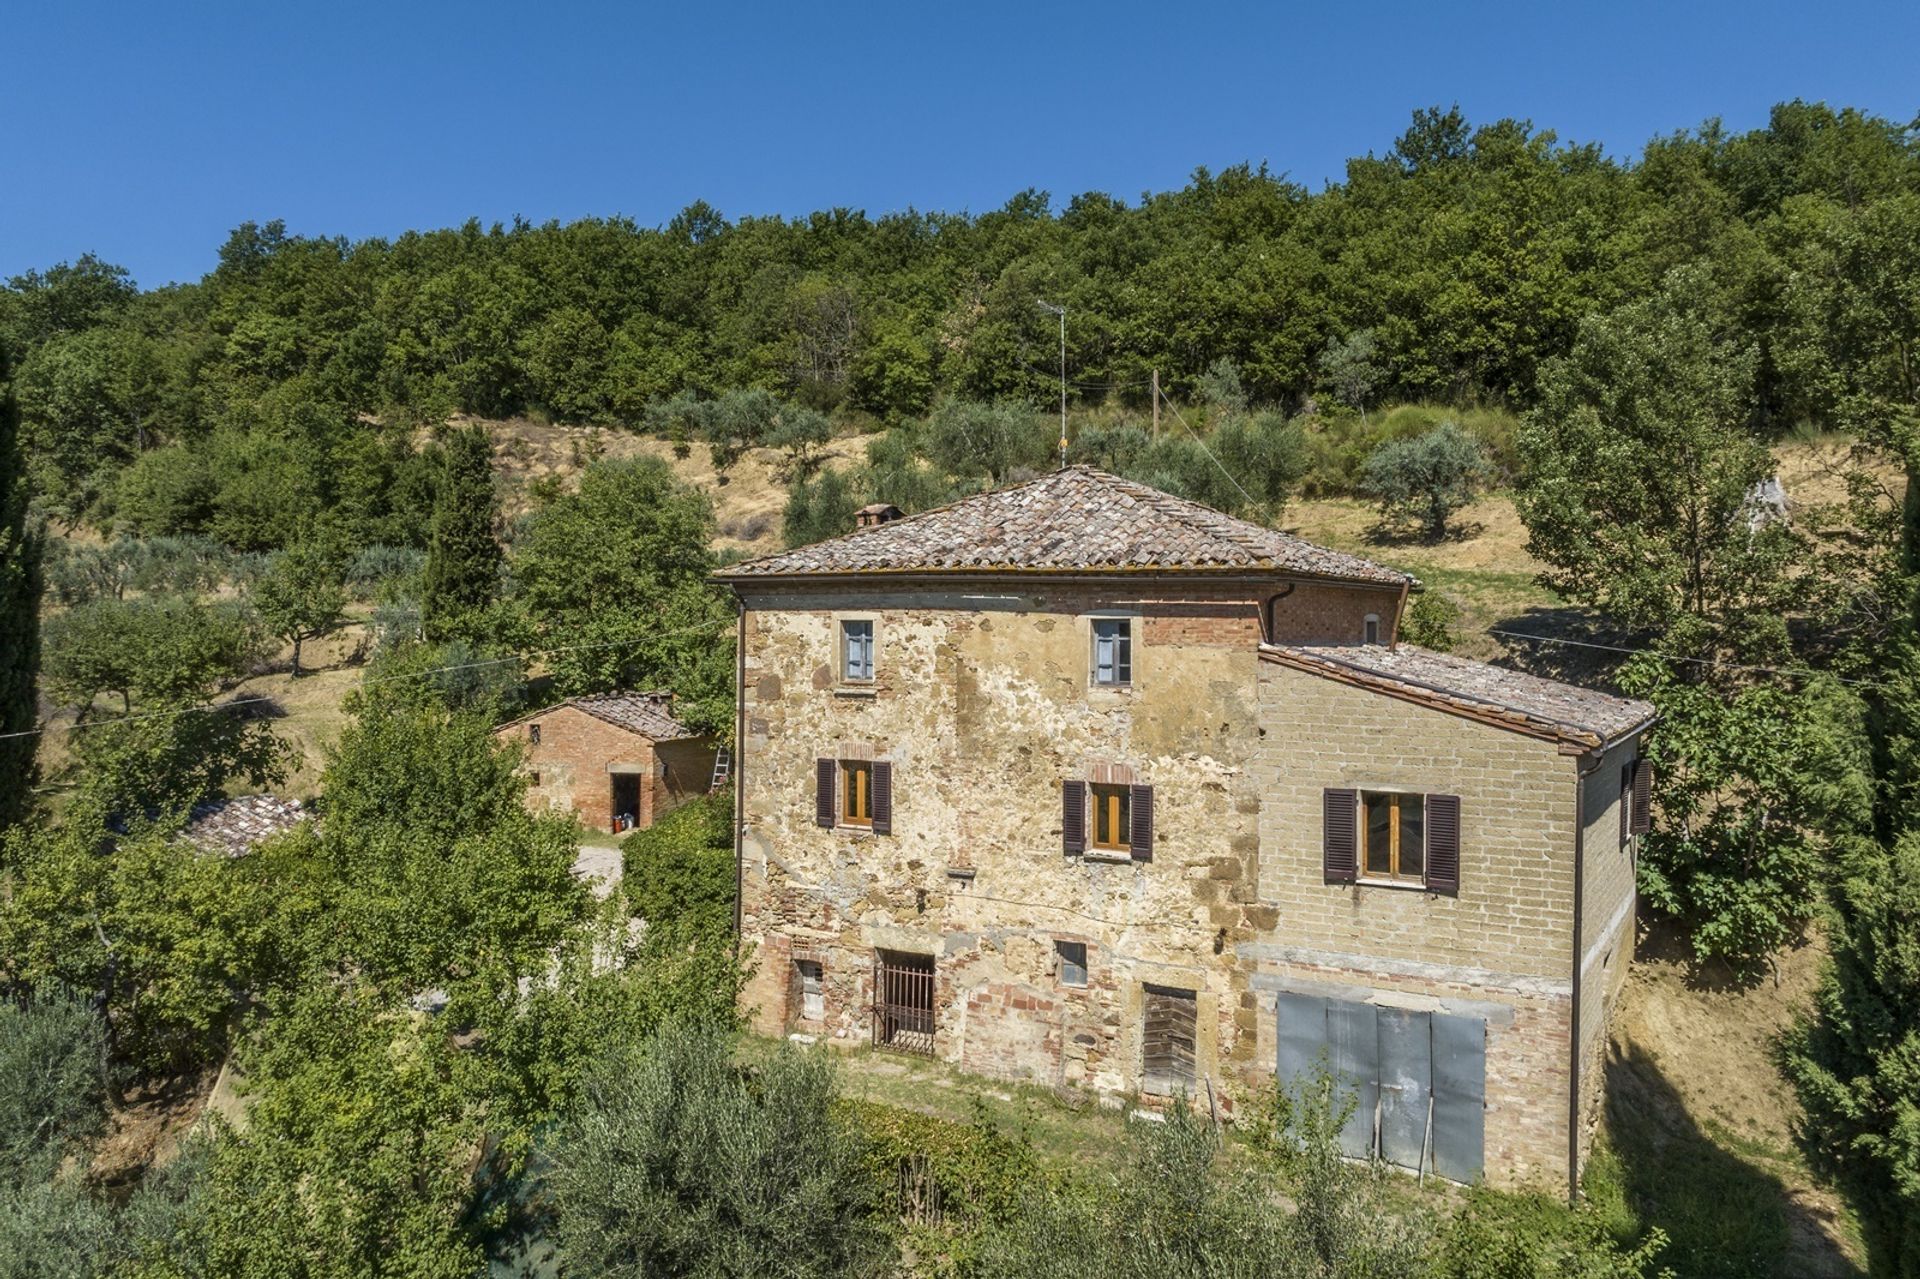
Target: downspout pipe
{"type": "Point", "coordinates": [1582, 771]}
{"type": "Point", "coordinates": [739, 762]}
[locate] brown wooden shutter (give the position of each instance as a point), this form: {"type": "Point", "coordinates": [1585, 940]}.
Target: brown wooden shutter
{"type": "Point", "coordinates": [1140, 806]}
{"type": "Point", "coordinates": [882, 798]}
{"type": "Point", "coordinates": [1339, 816]}
{"type": "Point", "coordinates": [823, 771]}
{"type": "Point", "coordinates": [1642, 796]}
{"type": "Point", "coordinates": [1443, 844]}
{"type": "Point", "coordinates": [1073, 817]}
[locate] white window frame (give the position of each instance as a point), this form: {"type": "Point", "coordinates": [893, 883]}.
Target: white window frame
{"type": "Point", "coordinates": [1126, 636]}
{"type": "Point", "coordinates": [841, 651]}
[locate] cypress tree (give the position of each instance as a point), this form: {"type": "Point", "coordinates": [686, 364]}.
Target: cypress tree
{"type": "Point", "coordinates": [19, 615]}
{"type": "Point", "coordinates": [463, 561]}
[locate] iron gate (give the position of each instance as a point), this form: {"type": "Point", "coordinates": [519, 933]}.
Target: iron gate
{"type": "Point", "coordinates": [1417, 1079]}
{"type": "Point", "coordinates": [903, 1002]}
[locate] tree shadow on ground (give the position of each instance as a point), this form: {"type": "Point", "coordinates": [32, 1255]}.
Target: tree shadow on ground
{"type": "Point", "coordinates": [1724, 1217]}
{"type": "Point", "coordinates": [1565, 643]}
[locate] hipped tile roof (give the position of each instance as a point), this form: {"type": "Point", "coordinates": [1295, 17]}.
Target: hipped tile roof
{"type": "Point", "coordinates": [1526, 703]}
{"type": "Point", "coordinates": [1078, 518]}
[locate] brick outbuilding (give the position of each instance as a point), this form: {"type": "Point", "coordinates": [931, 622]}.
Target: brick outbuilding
{"type": "Point", "coordinates": [619, 761]}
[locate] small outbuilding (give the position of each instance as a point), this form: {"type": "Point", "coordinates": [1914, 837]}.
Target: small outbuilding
{"type": "Point", "coordinates": [619, 761]}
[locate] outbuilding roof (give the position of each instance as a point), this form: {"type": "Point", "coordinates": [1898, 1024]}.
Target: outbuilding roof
{"type": "Point", "coordinates": [650, 714]}
{"type": "Point", "coordinates": [231, 827]}
{"type": "Point", "coordinates": [1547, 708]}
{"type": "Point", "coordinates": [1077, 519]}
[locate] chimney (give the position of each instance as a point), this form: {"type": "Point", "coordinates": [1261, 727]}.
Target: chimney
{"type": "Point", "coordinates": [876, 515]}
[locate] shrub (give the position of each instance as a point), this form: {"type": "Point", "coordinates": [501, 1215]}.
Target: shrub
{"type": "Point", "coordinates": [52, 1089]}
{"type": "Point", "coordinates": [1429, 622]}
{"type": "Point", "coordinates": [679, 871]}
{"type": "Point", "coordinates": [1426, 479]}
{"type": "Point", "coordinates": [677, 1161]}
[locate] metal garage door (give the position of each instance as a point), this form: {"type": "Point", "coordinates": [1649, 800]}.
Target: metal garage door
{"type": "Point", "coordinates": [1418, 1079]}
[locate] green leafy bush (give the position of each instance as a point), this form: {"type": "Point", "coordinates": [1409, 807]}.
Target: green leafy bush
{"type": "Point", "coordinates": [678, 1161]}
{"type": "Point", "coordinates": [1426, 479]}
{"type": "Point", "coordinates": [679, 872]}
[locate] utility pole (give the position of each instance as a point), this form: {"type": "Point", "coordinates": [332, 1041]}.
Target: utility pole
{"type": "Point", "coordinates": [1156, 404]}
{"type": "Point", "coordinates": [1061, 311]}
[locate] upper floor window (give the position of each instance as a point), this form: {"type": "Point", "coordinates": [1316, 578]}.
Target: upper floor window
{"type": "Point", "coordinates": [856, 792]}
{"type": "Point", "coordinates": [1370, 629]}
{"type": "Point", "coordinates": [856, 649]}
{"type": "Point", "coordinates": [1112, 818]}
{"type": "Point", "coordinates": [1396, 836]}
{"type": "Point", "coordinates": [1112, 650]}
{"type": "Point", "coordinates": [533, 733]}
{"type": "Point", "coordinates": [1391, 837]}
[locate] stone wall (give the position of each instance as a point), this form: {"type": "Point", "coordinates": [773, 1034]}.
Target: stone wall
{"type": "Point", "coordinates": [1607, 923]}
{"type": "Point", "coordinates": [981, 704]}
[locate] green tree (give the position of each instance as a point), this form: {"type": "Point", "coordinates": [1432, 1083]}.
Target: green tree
{"type": "Point", "coordinates": [1759, 788]}
{"type": "Point", "coordinates": [167, 651]}
{"type": "Point", "coordinates": [1349, 368]}
{"type": "Point", "coordinates": [818, 508]}
{"type": "Point", "coordinates": [1428, 478]}
{"type": "Point", "coordinates": [462, 577]}
{"type": "Point", "coordinates": [612, 579]}
{"type": "Point", "coordinates": [301, 595]}
{"type": "Point", "coordinates": [20, 556]}
{"type": "Point", "coordinates": [678, 1162]}
{"type": "Point", "coordinates": [969, 439]}
{"type": "Point", "coordinates": [1638, 465]}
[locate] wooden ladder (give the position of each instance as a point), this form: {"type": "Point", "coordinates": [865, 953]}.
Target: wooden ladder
{"type": "Point", "coordinates": [722, 769]}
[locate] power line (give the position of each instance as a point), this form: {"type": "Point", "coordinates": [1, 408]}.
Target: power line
{"type": "Point", "coordinates": [1802, 672]}
{"type": "Point", "coordinates": [217, 708]}
{"type": "Point", "coordinates": [1209, 452]}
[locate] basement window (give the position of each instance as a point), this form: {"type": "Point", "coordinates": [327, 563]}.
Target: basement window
{"type": "Point", "coordinates": [1395, 836]}
{"type": "Point", "coordinates": [1113, 651]}
{"type": "Point", "coordinates": [813, 993]}
{"type": "Point", "coordinates": [1167, 1040]}
{"type": "Point", "coordinates": [1070, 962]}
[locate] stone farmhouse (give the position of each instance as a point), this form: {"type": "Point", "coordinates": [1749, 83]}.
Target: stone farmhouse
{"type": "Point", "coordinates": [617, 760]}
{"type": "Point", "coordinates": [1080, 783]}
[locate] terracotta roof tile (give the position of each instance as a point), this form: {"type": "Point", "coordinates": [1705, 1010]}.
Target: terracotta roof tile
{"type": "Point", "coordinates": [233, 826]}
{"type": "Point", "coordinates": [1078, 518]}
{"type": "Point", "coordinates": [1545, 707]}
{"type": "Point", "coordinates": [648, 714]}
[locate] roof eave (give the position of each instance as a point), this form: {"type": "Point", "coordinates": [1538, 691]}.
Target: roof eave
{"type": "Point", "coordinates": [1220, 572]}
{"type": "Point", "coordinates": [1570, 737]}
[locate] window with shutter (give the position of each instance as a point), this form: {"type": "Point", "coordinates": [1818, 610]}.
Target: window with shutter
{"type": "Point", "coordinates": [856, 792]}
{"type": "Point", "coordinates": [1073, 817]}
{"type": "Point", "coordinates": [1394, 844]}
{"type": "Point", "coordinates": [1339, 812]}
{"type": "Point", "coordinates": [882, 798]}
{"type": "Point", "coordinates": [1625, 815]}
{"type": "Point", "coordinates": [1113, 818]}
{"type": "Point", "coordinates": [1140, 801]}
{"type": "Point", "coordinates": [1642, 796]}
{"type": "Point", "coordinates": [823, 801]}
{"type": "Point", "coordinates": [1443, 843]}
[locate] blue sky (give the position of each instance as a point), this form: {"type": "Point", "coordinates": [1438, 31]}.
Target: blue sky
{"type": "Point", "coordinates": [146, 132]}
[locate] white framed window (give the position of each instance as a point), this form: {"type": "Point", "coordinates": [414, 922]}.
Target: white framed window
{"type": "Point", "coordinates": [1113, 651]}
{"type": "Point", "coordinates": [1370, 629]}
{"type": "Point", "coordinates": [856, 650]}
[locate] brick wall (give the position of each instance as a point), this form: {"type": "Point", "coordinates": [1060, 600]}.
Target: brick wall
{"type": "Point", "coordinates": [578, 753]}
{"type": "Point", "coordinates": [1332, 613]}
